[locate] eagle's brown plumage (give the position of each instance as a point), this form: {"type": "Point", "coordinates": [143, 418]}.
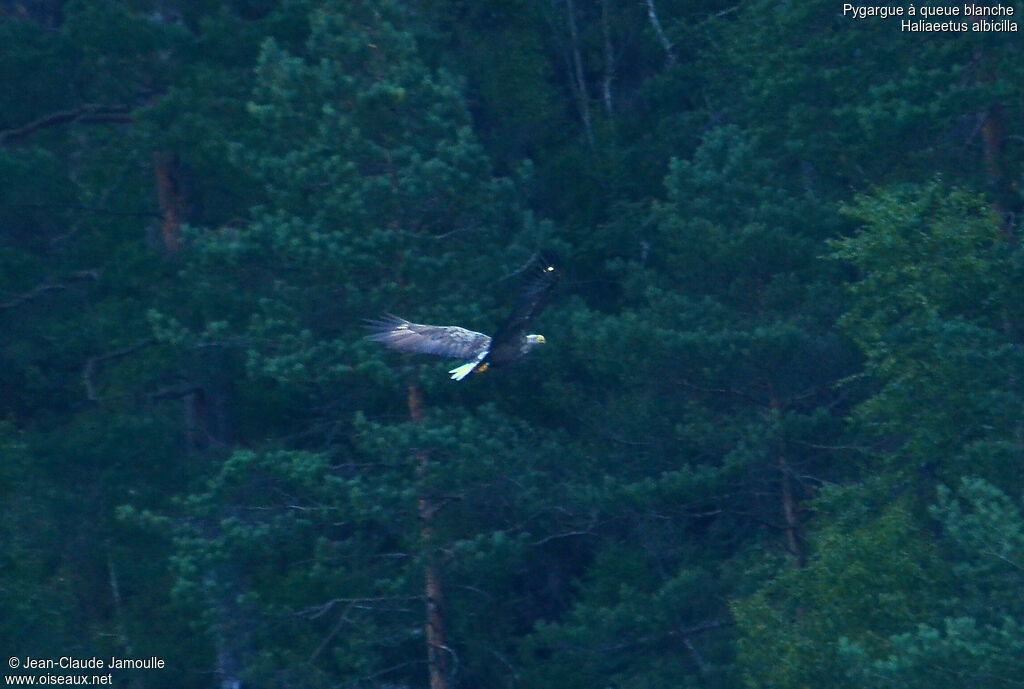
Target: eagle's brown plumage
{"type": "Point", "coordinates": [510, 343]}
{"type": "Point", "coordinates": [441, 340]}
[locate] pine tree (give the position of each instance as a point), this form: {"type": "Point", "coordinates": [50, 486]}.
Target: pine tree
{"type": "Point", "coordinates": [980, 636]}
{"type": "Point", "coordinates": [377, 199]}
{"type": "Point", "coordinates": [710, 397]}
{"type": "Point", "coordinates": [933, 313]}
{"type": "Point", "coordinates": [94, 402]}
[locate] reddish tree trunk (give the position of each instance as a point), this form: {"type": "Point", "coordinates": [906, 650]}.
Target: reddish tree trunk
{"type": "Point", "coordinates": [437, 646]}
{"type": "Point", "coordinates": [170, 197]}
{"type": "Point", "coordinates": [790, 508]}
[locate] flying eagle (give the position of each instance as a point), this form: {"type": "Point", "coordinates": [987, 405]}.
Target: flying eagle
{"type": "Point", "coordinates": [510, 343]}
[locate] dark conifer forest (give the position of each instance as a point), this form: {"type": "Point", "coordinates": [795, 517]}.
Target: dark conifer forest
{"type": "Point", "coordinates": [775, 435]}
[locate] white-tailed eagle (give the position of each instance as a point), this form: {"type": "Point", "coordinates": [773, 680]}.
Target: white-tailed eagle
{"type": "Point", "coordinates": [510, 343]}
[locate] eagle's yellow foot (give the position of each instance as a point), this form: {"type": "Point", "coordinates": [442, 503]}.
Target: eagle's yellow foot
{"type": "Point", "coordinates": [481, 368]}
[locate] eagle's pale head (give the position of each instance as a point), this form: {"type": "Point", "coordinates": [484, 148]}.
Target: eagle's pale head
{"type": "Point", "coordinates": [532, 341]}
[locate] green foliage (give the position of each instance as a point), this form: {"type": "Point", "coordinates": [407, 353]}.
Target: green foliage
{"type": "Point", "coordinates": [932, 310]}
{"type": "Point", "coordinates": [875, 91]}
{"type": "Point", "coordinates": [773, 347]}
{"type": "Point", "coordinates": [863, 582]}
{"type": "Point", "coordinates": [289, 543]}
{"type": "Point", "coordinates": [370, 158]}
{"type": "Point", "coordinates": [707, 392]}
{"type": "Point", "coordinates": [632, 625]}
{"type": "Point", "coordinates": [980, 637]}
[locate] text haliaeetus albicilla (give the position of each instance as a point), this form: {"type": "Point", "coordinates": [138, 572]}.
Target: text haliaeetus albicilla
{"type": "Point", "coordinates": [510, 343]}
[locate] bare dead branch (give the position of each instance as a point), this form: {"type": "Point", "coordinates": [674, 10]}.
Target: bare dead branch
{"type": "Point", "coordinates": [652, 14]}
{"type": "Point", "coordinates": [577, 79]}
{"type": "Point", "coordinates": [697, 658]}
{"type": "Point", "coordinates": [47, 287]}
{"type": "Point", "coordinates": [609, 63]}
{"type": "Point", "coordinates": [315, 611]}
{"type": "Point", "coordinates": [657, 638]}
{"type": "Point", "coordinates": [176, 392]}
{"type": "Point", "coordinates": [89, 370]}
{"type": "Point", "coordinates": [96, 210]}
{"type": "Point", "coordinates": [566, 534]}
{"type": "Point", "coordinates": [86, 113]}
{"type": "Point", "coordinates": [343, 619]}
{"type": "Point", "coordinates": [588, 531]}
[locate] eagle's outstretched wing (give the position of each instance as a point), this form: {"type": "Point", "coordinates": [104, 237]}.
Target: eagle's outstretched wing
{"type": "Point", "coordinates": [449, 341]}
{"type": "Point", "coordinates": [507, 341]}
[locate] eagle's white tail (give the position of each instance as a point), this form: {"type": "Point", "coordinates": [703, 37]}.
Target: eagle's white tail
{"type": "Point", "coordinates": [460, 372]}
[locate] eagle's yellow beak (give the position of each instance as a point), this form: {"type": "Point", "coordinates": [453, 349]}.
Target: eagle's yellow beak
{"type": "Point", "coordinates": [541, 340]}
